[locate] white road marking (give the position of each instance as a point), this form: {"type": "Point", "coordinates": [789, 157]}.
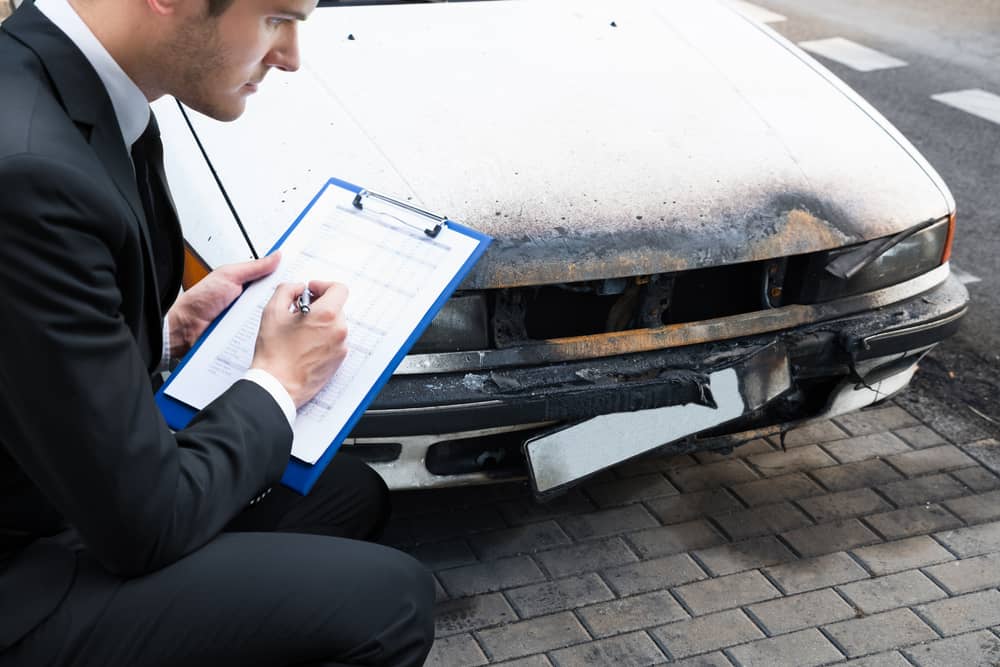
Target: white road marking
{"type": "Point", "coordinates": [756, 12]}
{"type": "Point", "coordinates": [964, 277]}
{"type": "Point", "coordinates": [975, 101]}
{"type": "Point", "coordinates": [852, 54]}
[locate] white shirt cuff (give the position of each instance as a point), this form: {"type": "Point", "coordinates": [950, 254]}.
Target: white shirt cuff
{"type": "Point", "coordinates": [271, 385]}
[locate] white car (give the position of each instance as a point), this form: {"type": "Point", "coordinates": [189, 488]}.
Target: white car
{"type": "Point", "coordinates": [701, 235]}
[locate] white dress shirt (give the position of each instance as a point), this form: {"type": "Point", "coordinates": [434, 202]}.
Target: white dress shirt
{"type": "Point", "coordinates": [132, 110]}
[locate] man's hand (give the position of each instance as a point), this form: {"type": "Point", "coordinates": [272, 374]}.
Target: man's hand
{"type": "Point", "coordinates": [197, 307]}
{"type": "Point", "coordinates": [303, 350]}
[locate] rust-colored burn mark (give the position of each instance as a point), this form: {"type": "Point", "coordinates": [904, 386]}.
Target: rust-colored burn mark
{"type": "Point", "coordinates": [688, 237]}
{"type": "Point", "coordinates": [801, 231]}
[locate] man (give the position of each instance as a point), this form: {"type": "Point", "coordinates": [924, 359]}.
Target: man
{"type": "Point", "coordinates": [122, 543]}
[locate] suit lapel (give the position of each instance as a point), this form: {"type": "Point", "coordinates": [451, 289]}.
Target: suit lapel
{"type": "Point", "coordinates": [88, 105]}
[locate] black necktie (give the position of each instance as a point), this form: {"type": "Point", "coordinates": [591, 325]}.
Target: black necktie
{"type": "Point", "coordinates": [147, 156]}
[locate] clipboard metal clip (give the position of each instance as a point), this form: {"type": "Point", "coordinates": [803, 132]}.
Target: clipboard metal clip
{"type": "Point", "coordinates": [432, 231]}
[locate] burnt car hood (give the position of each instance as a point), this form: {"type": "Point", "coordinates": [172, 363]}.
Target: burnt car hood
{"type": "Point", "coordinates": [591, 139]}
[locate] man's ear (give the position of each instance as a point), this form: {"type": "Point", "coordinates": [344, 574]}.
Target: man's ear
{"type": "Point", "coordinates": [168, 7]}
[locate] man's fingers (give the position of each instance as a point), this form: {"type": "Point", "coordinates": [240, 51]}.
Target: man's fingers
{"type": "Point", "coordinates": [330, 294]}
{"type": "Point", "coordinates": [285, 295]}
{"type": "Point", "coordinates": [246, 272]}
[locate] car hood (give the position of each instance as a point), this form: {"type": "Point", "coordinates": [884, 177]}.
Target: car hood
{"type": "Point", "coordinates": [591, 139]}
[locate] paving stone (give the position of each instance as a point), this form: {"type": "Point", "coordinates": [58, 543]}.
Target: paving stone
{"type": "Point", "coordinates": [758, 446]}
{"type": "Point", "coordinates": [631, 613]}
{"type": "Point", "coordinates": [440, 595]}
{"type": "Point", "coordinates": [904, 589]}
{"type": "Point", "coordinates": [491, 576]}
{"type": "Point", "coordinates": [535, 635]}
{"type": "Point", "coordinates": [630, 490]}
{"type": "Point", "coordinates": [734, 590]}
{"type": "Point", "coordinates": [894, 659]}
{"type": "Point", "coordinates": [811, 434]}
{"type": "Point", "coordinates": [968, 574]}
{"type": "Point", "coordinates": [829, 537]}
{"type": "Point", "coordinates": [745, 555]}
{"type": "Point", "coordinates": [878, 445]}
{"type": "Point", "coordinates": [763, 520]}
{"type": "Point", "coordinates": [457, 650]}
{"type": "Point", "coordinates": [972, 611]}
{"type": "Point", "coordinates": [518, 540]}
{"type": "Point", "coordinates": [777, 489]}
{"type": "Point", "coordinates": [880, 632]}
{"type": "Point", "coordinates": [797, 612]}
{"type": "Point", "coordinates": [653, 574]}
{"type": "Point", "coordinates": [978, 479]}
{"type": "Point", "coordinates": [843, 505]}
{"type": "Point", "coordinates": [530, 661]}
{"type": "Point", "coordinates": [441, 555]}
{"type": "Point", "coordinates": [933, 459]}
{"type": "Point", "coordinates": [923, 490]}
{"type": "Point", "coordinates": [986, 452]}
{"type": "Point", "coordinates": [902, 555]}
{"type": "Point", "coordinates": [608, 522]}
{"type": "Point", "coordinates": [919, 436]}
{"type": "Point", "coordinates": [471, 613]}
{"type": "Point", "coordinates": [806, 648]}
{"type": "Point", "coordinates": [528, 510]}
{"type": "Point", "coordinates": [654, 463]}
{"type": "Point", "coordinates": [687, 506]}
{"type": "Point", "coordinates": [539, 660]}
{"type": "Point", "coordinates": [857, 475]}
{"type": "Point", "coordinates": [712, 475]}
{"type": "Point", "coordinates": [634, 649]}
{"type": "Point", "coordinates": [813, 573]}
{"type": "Point", "coordinates": [707, 633]}
{"type": "Point", "coordinates": [560, 595]}
{"type": "Point", "coordinates": [706, 660]}
{"type": "Point", "coordinates": [976, 509]}
{"type": "Point", "coordinates": [977, 649]}
{"type": "Point", "coordinates": [972, 541]}
{"type": "Point", "coordinates": [674, 539]}
{"type": "Point", "coordinates": [800, 459]}
{"type": "Point", "coordinates": [910, 521]}
{"type": "Point", "coordinates": [876, 420]}
{"type": "Point", "coordinates": [585, 557]}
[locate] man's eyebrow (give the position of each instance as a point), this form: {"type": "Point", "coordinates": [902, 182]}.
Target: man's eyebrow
{"type": "Point", "coordinates": [300, 16]}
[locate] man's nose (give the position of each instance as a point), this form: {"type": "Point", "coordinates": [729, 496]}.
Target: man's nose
{"type": "Point", "coordinates": [285, 54]}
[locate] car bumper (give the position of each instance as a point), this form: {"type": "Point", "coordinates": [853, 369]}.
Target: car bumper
{"type": "Point", "coordinates": [444, 428]}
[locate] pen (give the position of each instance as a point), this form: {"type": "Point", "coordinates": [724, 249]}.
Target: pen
{"type": "Point", "coordinates": [304, 301]}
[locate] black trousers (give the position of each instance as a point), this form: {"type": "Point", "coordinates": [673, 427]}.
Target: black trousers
{"type": "Point", "coordinates": [289, 583]}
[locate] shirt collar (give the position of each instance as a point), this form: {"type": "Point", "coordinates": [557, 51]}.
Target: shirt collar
{"type": "Point", "coordinates": [130, 104]}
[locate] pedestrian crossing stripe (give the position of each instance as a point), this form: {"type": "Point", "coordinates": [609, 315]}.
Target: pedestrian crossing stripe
{"type": "Point", "coordinates": [976, 101]}
{"type": "Point", "coordinates": [756, 12]}
{"type": "Point", "coordinates": [851, 54]}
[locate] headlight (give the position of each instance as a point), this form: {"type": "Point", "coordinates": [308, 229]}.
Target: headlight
{"type": "Point", "coordinates": [461, 324]}
{"type": "Point", "coordinates": [867, 266]}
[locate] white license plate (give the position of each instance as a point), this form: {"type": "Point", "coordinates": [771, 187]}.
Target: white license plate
{"type": "Point", "coordinates": [577, 451]}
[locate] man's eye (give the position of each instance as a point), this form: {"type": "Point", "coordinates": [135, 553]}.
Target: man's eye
{"type": "Point", "coordinates": [275, 21]}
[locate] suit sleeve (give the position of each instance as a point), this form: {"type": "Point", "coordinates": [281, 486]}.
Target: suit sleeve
{"type": "Point", "coordinates": [76, 407]}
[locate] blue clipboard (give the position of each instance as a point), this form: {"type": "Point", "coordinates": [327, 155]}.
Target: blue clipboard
{"type": "Point", "coordinates": [300, 476]}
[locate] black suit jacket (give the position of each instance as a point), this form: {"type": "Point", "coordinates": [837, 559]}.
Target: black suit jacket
{"type": "Point", "coordinates": [82, 444]}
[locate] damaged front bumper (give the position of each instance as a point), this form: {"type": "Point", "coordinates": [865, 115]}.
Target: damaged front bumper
{"type": "Point", "coordinates": [453, 419]}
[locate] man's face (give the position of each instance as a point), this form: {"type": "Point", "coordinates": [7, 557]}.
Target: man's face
{"type": "Point", "coordinates": [213, 64]}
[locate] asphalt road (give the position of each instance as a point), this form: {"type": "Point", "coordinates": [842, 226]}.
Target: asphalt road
{"type": "Point", "coordinates": [946, 47]}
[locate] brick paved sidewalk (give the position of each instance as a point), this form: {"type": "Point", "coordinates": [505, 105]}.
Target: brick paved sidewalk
{"type": "Point", "coordinates": [872, 537]}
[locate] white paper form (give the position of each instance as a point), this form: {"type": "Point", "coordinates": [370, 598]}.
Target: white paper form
{"type": "Point", "coordinates": [394, 273]}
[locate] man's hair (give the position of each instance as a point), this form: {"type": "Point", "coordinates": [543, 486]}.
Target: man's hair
{"type": "Point", "coordinates": [217, 7]}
